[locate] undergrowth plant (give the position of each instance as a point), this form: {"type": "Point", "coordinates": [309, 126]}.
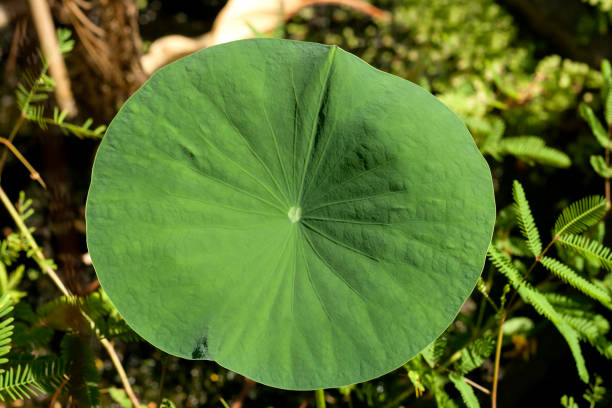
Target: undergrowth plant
{"type": "Point", "coordinates": [32, 364]}
{"type": "Point", "coordinates": [583, 262]}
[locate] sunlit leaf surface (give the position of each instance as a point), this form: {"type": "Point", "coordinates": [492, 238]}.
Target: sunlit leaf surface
{"type": "Point", "coordinates": [288, 211]}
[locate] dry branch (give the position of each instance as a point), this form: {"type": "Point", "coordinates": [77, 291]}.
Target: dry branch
{"type": "Point", "coordinates": [41, 14]}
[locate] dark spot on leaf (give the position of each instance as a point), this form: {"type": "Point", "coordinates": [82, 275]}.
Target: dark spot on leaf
{"type": "Point", "coordinates": [200, 352]}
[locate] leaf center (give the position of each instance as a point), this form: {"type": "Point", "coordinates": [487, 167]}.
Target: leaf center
{"type": "Point", "coordinates": [294, 214]}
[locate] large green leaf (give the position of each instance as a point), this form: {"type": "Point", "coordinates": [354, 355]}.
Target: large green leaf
{"type": "Point", "coordinates": [288, 211]}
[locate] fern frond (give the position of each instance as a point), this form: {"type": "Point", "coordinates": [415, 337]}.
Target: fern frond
{"type": "Point", "coordinates": [475, 354]}
{"type": "Point", "coordinates": [49, 373]}
{"type": "Point", "coordinates": [598, 163]}
{"type": "Point", "coordinates": [466, 391]}
{"type": "Point", "coordinates": [18, 383]}
{"type": "Point", "coordinates": [565, 304]}
{"type": "Point", "coordinates": [532, 149]}
{"type": "Point", "coordinates": [35, 113]}
{"type": "Point", "coordinates": [580, 215]}
{"type": "Point", "coordinates": [434, 352]}
{"type": "Point", "coordinates": [31, 337]}
{"type": "Point", "coordinates": [542, 306]}
{"type": "Point", "coordinates": [525, 219]}
{"type": "Point", "coordinates": [588, 248]}
{"type": "Point", "coordinates": [117, 329]}
{"type": "Point", "coordinates": [596, 127]}
{"type": "Point", "coordinates": [591, 331]}
{"type": "Point", "coordinates": [6, 327]}
{"type": "Point", "coordinates": [41, 376]}
{"type": "Point", "coordinates": [55, 304]}
{"type": "Point", "coordinates": [566, 274]}
{"type": "Point", "coordinates": [41, 85]}
{"type": "Point", "coordinates": [591, 327]}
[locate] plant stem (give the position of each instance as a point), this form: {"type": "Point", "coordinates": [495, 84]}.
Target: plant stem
{"type": "Point", "coordinates": [38, 255]}
{"type": "Point", "coordinates": [57, 392]}
{"type": "Point", "coordinates": [34, 175]}
{"type": "Point", "coordinates": [320, 398]}
{"type": "Point", "coordinates": [500, 336]}
{"type": "Point", "coordinates": [45, 28]}
{"type": "Point", "coordinates": [12, 135]}
{"type": "Point", "coordinates": [117, 363]}
{"type": "Point", "coordinates": [503, 319]}
{"type": "Point", "coordinates": [46, 268]}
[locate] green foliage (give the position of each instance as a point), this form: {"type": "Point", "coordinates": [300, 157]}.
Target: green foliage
{"type": "Point", "coordinates": [435, 351]}
{"type": "Point", "coordinates": [606, 90]}
{"type": "Point", "coordinates": [532, 150]}
{"type": "Point", "coordinates": [37, 87]}
{"type": "Point", "coordinates": [596, 127]}
{"type": "Point", "coordinates": [475, 354]}
{"type": "Point", "coordinates": [6, 328]}
{"type": "Point", "coordinates": [43, 375]}
{"type": "Point", "coordinates": [525, 219]}
{"type": "Point", "coordinates": [542, 306]}
{"type": "Point", "coordinates": [566, 274]}
{"type": "Point", "coordinates": [588, 248]}
{"type": "Point", "coordinates": [580, 216]}
{"type": "Point", "coordinates": [467, 393]}
{"type": "Point", "coordinates": [599, 165]}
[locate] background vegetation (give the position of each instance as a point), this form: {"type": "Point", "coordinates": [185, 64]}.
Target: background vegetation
{"type": "Point", "coordinates": [529, 79]}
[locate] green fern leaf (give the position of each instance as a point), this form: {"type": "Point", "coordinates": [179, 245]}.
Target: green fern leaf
{"type": "Point", "coordinates": [49, 373]}
{"type": "Point", "coordinates": [466, 391]}
{"type": "Point", "coordinates": [596, 127]}
{"type": "Point", "coordinates": [542, 306]}
{"type": "Point", "coordinates": [475, 354]}
{"type": "Point", "coordinates": [6, 328]}
{"type": "Point", "coordinates": [591, 327]}
{"type": "Point", "coordinates": [525, 219]}
{"type": "Point", "coordinates": [588, 248]}
{"type": "Point", "coordinates": [606, 90]}
{"type": "Point", "coordinates": [580, 215]}
{"type": "Point", "coordinates": [600, 167]}
{"type": "Point", "coordinates": [588, 328]}
{"type": "Point", "coordinates": [18, 383]}
{"type": "Point", "coordinates": [41, 376]}
{"type": "Point", "coordinates": [532, 149]}
{"type": "Point", "coordinates": [566, 274]}
{"type": "Point", "coordinates": [117, 329]}
{"type": "Point", "coordinates": [31, 337]}
{"type": "Point", "coordinates": [434, 352]}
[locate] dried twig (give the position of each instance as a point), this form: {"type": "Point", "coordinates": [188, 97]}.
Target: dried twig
{"type": "Point", "coordinates": [45, 28]}
{"type": "Point", "coordinates": [34, 175]}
